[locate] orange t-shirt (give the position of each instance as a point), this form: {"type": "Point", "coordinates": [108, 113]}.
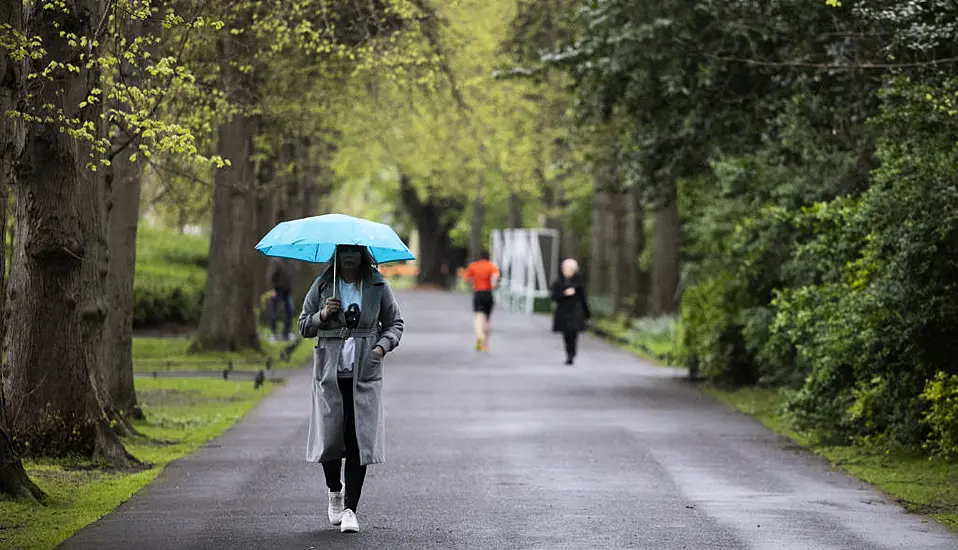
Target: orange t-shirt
{"type": "Point", "coordinates": [481, 273]}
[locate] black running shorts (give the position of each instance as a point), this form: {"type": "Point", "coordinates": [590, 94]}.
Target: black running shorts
{"type": "Point", "coordinates": [482, 302]}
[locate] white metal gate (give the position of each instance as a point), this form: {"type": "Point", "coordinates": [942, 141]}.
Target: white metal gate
{"type": "Point", "coordinates": [528, 261]}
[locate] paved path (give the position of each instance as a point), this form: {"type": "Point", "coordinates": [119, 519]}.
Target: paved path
{"type": "Point", "coordinates": [515, 450]}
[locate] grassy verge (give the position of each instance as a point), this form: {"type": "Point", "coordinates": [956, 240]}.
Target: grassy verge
{"type": "Point", "coordinates": [922, 485]}
{"type": "Point", "coordinates": [172, 354]}
{"type": "Point", "coordinates": [170, 276]}
{"type": "Point", "coordinates": [181, 413]}
{"type": "Point", "coordinates": [653, 339]}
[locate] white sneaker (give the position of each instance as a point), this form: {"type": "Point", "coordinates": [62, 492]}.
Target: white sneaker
{"type": "Point", "coordinates": [349, 523]}
{"type": "Point", "coordinates": [336, 507]}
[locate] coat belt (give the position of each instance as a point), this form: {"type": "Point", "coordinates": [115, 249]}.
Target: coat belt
{"type": "Point", "coordinates": [347, 333]}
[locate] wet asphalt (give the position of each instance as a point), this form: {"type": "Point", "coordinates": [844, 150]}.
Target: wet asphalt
{"type": "Point", "coordinates": [512, 449]}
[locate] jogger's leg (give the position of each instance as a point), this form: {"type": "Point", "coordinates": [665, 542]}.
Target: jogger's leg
{"type": "Point", "coordinates": [478, 325]}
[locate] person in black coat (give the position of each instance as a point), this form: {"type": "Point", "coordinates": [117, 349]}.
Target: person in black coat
{"type": "Point", "coordinates": [572, 307]}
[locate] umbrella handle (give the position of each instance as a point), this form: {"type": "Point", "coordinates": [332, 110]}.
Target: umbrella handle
{"type": "Point", "coordinates": [335, 283]}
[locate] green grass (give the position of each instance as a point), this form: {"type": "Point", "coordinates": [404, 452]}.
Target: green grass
{"type": "Point", "coordinates": [161, 246]}
{"type": "Point", "coordinates": [181, 413]}
{"type": "Point", "coordinates": [401, 282]}
{"type": "Point", "coordinates": [921, 484]}
{"type": "Point", "coordinates": [172, 354]}
{"type": "Point", "coordinates": [170, 276]}
{"type": "Point", "coordinates": [654, 339]}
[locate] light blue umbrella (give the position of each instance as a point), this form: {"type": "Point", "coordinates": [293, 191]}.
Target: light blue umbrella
{"type": "Point", "coordinates": [314, 239]}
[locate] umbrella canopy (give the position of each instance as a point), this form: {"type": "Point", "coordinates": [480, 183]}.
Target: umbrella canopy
{"type": "Point", "coordinates": [314, 239]}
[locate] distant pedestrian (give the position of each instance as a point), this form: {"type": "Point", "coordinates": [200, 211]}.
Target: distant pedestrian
{"type": "Point", "coordinates": [484, 276]}
{"type": "Point", "coordinates": [347, 413]}
{"type": "Point", "coordinates": [572, 307]}
{"type": "Point", "coordinates": [280, 278]}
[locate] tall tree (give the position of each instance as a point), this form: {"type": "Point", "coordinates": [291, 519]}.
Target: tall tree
{"type": "Point", "coordinates": [13, 479]}
{"type": "Point", "coordinates": [124, 185]}
{"type": "Point", "coordinates": [58, 277]}
{"type": "Point", "coordinates": [228, 321]}
{"type": "Point", "coordinates": [435, 216]}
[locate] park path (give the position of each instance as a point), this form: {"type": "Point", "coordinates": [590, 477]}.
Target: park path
{"type": "Point", "coordinates": [512, 449]}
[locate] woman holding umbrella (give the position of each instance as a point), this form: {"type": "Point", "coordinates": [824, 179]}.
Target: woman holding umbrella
{"type": "Point", "coordinates": [352, 313]}
{"type": "Point", "coordinates": [347, 413]}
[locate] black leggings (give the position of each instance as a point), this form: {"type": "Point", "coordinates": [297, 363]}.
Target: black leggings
{"type": "Point", "coordinates": [571, 339]}
{"type": "Point", "coordinates": [355, 472]}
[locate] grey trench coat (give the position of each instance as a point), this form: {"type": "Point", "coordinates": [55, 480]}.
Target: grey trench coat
{"type": "Point", "coordinates": [381, 323]}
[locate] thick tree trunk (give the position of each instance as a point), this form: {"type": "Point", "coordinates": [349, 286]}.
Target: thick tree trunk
{"type": "Point", "coordinates": [477, 233]}
{"type": "Point", "coordinates": [228, 321]}
{"type": "Point", "coordinates": [434, 219]}
{"type": "Point", "coordinates": [626, 272]}
{"type": "Point", "coordinates": [308, 196]}
{"type": "Point", "coordinates": [435, 246]}
{"type": "Point", "coordinates": [665, 266]}
{"type": "Point", "coordinates": [266, 217]}
{"type": "Point", "coordinates": [59, 272]}
{"type": "Point", "coordinates": [14, 481]}
{"type": "Point", "coordinates": [124, 219]}
{"type": "Point", "coordinates": [598, 250]}
{"type": "Point", "coordinates": [123, 211]}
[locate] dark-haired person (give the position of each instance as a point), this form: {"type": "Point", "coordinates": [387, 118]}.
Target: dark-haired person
{"type": "Point", "coordinates": [346, 420]}
{"type": "Point", "coordinates": [280, 277]}
{"type": "Point", "coordinates": [484, 276]}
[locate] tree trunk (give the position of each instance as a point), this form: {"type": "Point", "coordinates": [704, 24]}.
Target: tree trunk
{"type": "Point", "coordinates": [640, 282]}
{"type": "Point", "coordinates": [123, 211]}
{"type": "Point", "coordinates": [434, 219]}
{"type": "Point", "coordinates": [124, 219]}
{"type": "Point", "coordinates": [626, 271]}
{"type": "Point", "coordinates": [435, 246]}
{"type": "Point", "coordinates": [267, 211]}
{"type": "Point", "coordinates": [228, 321]}
{"type": "Point", "coordinates": [477, 234]}
{"type": "Point", "coordinates": [598, 250]}
{"type": "Point", "coordinates": [14, 481]}
{"type": "Point", "coordinates": [665, 261]}
{"type": "Point", "coordinates": [59, 272]}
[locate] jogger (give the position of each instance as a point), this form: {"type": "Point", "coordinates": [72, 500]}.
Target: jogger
{"type": "Point", "coordinates": [484, 276]}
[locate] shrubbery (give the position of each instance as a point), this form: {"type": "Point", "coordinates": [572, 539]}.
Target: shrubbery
{"type": "Point", "coordinates": [942, 416]}
{"type": "Point", "coordinates": [845, 290]}
{"type": "Point", "coordinates": [170, 276]}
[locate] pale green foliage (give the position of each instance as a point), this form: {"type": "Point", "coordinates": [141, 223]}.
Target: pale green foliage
{"type": "Point", "coordinates": [124, 78]}
{"type": "Point", "coordinates": [459, 130]}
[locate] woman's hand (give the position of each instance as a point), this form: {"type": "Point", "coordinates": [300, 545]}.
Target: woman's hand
{"type": "Point", "coordinates": [570, 291]}
{"type": "Point", "coordinates": [379, 350]}
{"type": "Point", "coordinates": [330, 308]}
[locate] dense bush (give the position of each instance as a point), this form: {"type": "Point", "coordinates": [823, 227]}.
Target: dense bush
{"type": "Point", "coordinates": [942, 416]}
{"type": "Point", "coordinates": [850, 299]}
{"type": "Point", "coordinates": [170, 276]}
